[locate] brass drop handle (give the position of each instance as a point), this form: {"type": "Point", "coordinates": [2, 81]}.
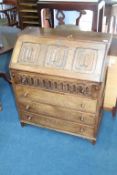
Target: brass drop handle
{"type": "Point", "coordinates": [81, 118]}
{"type": "Point", "coordinates": [82, 130]}
{"type": "Point", "coordinates": [70, 36]}
{"type": "Point", "coordinates": [29, 117]}
{"type": "Point", "coordinates": [97, 87]}
{"type": "Point", "coordinates": [82, 105]}
{"type": "Point", "coordinates": [26, 94]}
{"type": "Point", "coordinates": [27, 107]}
{"type": "Point", "coordinates": [13, 75]}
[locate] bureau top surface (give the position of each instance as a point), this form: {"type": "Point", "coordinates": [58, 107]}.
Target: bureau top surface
{"type": "Point", "coordinates": [70, 54]}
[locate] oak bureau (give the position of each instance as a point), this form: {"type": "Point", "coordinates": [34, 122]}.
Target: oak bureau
{"type": "Point", "coordinates": [59, 79]}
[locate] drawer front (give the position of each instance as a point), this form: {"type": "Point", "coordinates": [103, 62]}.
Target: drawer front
{"type": "Point", "coordinates": [57, 124]}
{"type": "Point", "coordinates": [57, 84]}
{"type": "Point", "coordinates": [57, 99]}
{"type": "Point", "coordinates": [57, 112]}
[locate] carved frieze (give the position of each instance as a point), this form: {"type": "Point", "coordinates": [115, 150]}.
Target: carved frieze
{"type": "Point", "coordinates": [88, 89]}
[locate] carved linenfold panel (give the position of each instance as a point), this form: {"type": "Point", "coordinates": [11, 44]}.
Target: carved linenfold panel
{"type": "Point", "coordinates": [29, 53]}
{"type": "Point", "coordinates": [85, 89]}
{"type": "Point", "coordinates": [85, 60]}
{"type": "Point", "coordinates": [43, 55]}
{"type": "Point", "coordinates": [56, 56]}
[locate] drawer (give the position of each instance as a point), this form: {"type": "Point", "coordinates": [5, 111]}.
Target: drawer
{"type": "Point", "coordinates": [62, 100]}
{"type": "Point", "coordinates": [57, 112]}
{"type": "Point", "coordinates": [57, 124]}
{"type": "Point", "coordinates": [57, 84]}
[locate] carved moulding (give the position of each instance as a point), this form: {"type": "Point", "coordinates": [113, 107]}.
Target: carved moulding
{"type": "Point", "coordinates": [83, 88]}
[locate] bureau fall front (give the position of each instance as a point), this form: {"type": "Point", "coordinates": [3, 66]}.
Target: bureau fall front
{"type": "Point", "coordinates": [59, 80]}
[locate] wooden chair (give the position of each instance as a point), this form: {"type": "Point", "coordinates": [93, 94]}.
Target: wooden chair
{"type": "Point", "coordinates": [8, 13]}
{"type": "Point", "coordinates": [97, 7]}
{"type": "Point", "coordinates": [60, 18]}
